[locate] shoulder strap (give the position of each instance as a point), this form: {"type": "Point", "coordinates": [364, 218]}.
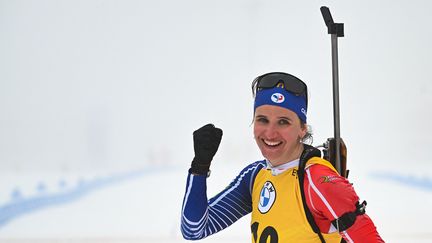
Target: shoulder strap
{"type": "Point", "coordinates": [348, 219]}
{"type": "Point", "coordinates": [308, 152]}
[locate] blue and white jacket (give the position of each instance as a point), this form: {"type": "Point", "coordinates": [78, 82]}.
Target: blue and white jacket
{"type": "Point", "coordinates": [201, 218]}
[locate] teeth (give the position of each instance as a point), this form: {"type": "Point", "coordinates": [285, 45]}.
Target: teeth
{"type": "Point", "coordinates": [270, 143]}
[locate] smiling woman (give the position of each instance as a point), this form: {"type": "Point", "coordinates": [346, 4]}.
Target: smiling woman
{"type": "Point", "coordinates": [270, 189]}
{"type": "Point", "coordinates": [278, 133]}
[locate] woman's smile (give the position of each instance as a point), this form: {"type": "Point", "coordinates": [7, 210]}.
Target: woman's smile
{"type": "Point", "coordinates": [271, 144]}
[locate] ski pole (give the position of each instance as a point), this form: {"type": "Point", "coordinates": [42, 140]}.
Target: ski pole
{"type": "Point", "coordinates": [335, 30]}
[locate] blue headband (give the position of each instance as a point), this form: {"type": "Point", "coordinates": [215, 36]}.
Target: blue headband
{"type": "Point", "coordinates": [280, 97]}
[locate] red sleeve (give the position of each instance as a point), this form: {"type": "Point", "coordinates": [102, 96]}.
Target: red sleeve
{"type": "Point", "coordinates": [329, 196]}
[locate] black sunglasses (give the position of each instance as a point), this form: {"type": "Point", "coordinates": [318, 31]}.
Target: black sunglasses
{"type": "Point", "coordinates": [290, 83]}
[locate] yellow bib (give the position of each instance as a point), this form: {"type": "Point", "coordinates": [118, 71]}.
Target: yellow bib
{"type": "Point", "coordinates": [277, 209]}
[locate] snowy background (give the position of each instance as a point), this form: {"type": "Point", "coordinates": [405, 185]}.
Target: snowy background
{"type": "Point", "coordinates": [99, 99]}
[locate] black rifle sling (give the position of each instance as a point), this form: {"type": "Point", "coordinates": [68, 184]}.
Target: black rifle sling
{"type": "Point", "coordinates": [308, 153]}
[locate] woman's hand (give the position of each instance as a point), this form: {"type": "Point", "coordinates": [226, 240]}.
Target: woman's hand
{"type": "Point", "coordinates": [206, 143]}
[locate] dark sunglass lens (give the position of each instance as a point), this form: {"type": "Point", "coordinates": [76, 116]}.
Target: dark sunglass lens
{"type": "Point", "coordinates": [291, 83]}
{"type": "Point", "coordinates": [267, 81]}
{"type": "Point", "coordinates": [296, 87]}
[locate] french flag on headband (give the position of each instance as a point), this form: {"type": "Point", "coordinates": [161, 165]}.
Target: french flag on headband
{"type": "Point", "coordinates": [277, 98]}
{"type": "Point", "coordinates": [280, 97]}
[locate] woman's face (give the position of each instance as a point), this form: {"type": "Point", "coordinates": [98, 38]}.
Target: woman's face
{"type": "Point", "coordinates": [277, 132]}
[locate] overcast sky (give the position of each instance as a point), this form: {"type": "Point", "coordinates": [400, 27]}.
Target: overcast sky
{"type": "Point", "coordinates": [108, 84]}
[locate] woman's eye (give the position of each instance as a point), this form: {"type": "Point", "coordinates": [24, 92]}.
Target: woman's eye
{"type": "Point", "coordinates": [284, 122]}
{"type": "Point", "coordinates": [262, 120]}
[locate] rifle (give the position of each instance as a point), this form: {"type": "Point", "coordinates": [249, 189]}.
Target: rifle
{"type": "Point", "coordinates": [334, 149]}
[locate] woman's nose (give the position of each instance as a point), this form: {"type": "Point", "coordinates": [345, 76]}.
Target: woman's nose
{"type": "Point", "coordinates": [271, 131]}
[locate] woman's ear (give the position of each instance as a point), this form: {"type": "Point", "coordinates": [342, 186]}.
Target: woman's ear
{"type": "Point", "coordinates": [304, 129]}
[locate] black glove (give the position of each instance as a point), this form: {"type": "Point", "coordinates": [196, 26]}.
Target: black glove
{"type": "Point", "coordinates": [206, 143]}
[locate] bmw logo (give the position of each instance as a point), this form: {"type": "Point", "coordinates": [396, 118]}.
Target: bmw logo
{"type": "Point", "coordinates": [267, 197]}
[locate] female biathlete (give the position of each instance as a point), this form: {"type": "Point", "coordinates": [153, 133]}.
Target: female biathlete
{"type": "Point", "coordinates": [270, 188]}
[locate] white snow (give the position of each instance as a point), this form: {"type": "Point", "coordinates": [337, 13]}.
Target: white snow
{"type": "Point", "coordinates": [146, 208]}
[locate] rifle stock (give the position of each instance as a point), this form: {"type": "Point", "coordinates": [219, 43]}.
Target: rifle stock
{"type": "Point", "coordinates": [329, 152]}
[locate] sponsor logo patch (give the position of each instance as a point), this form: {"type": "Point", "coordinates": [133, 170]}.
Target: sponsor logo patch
{"type": "Point", "coordinates": [327, 179]}
{"type": "Point", "coordinates": [267, 197]}
{"type": "Point", "coordinates": [303, 110]}
{"type": "Point", "coordinates": [277, 98]}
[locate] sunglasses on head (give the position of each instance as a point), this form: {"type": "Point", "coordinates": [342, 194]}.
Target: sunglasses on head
{"type": "Point", "coordinates": [287, 81]}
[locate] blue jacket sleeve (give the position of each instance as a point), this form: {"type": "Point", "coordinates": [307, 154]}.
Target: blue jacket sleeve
{"type": "Point", "coordinates": [202, 217]}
